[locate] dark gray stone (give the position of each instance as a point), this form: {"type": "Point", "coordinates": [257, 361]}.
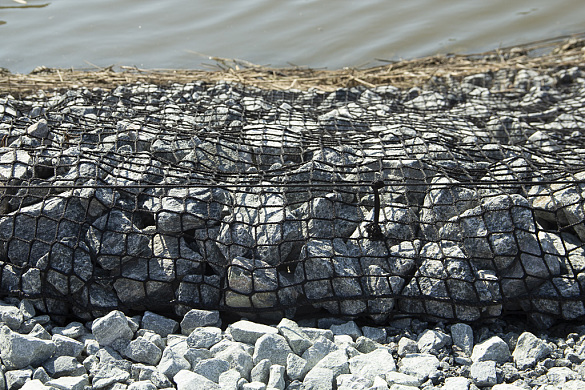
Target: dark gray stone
{"type": "Point", "coordinates": [195, 318]}
{"type": "Point", "coordinates": [158, 324]}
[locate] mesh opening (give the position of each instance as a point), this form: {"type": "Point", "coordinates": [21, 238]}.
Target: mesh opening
{"type": "Point", "coordinates": [463, 200]}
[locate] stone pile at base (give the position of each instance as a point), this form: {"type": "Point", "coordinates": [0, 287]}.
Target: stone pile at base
{"type": "Point", "coordinates": [150, 351]}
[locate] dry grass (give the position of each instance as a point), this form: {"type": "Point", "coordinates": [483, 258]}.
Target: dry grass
{"type": "Point", "coordinates": [548, 55]}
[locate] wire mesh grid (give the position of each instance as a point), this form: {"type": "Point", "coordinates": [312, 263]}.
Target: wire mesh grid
{"type": "Point", "coordinates": [463, 200]}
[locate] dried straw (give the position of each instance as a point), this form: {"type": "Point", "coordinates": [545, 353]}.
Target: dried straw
{"type": "Point", "coordinates": [544, 56]}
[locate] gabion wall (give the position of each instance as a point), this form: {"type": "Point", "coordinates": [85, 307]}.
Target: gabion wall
{"type": "Point", "coordinates": [458, 201]}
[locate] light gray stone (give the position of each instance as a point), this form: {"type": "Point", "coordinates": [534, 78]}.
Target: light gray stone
{"type": "Point", "coordinates": [336, 361]}
{"type": "Point", "coordinates": [41, 374]}
{"type": "Point", "coordinates": [529, 350]}
{"type": "Point", "coordinates": [406, 346]}
{"type": "Point", "coordinates": [273, 347]}
{"type": "Point", "coordinates": [352, 382]}
{"type": "Point", "coordinates": [249, 332]}
{"type": "Point", "coordinates": [211, 368]}
{"type": "Point", "coordinates": [73, 330]}
{"type": "Point", "coordinates": [260, 371]}
{"type": "Point", "coordinates": [66, 346]}
{"type": "Point", "coordinates": [238, 358]}
{"type": "Point", "coordinates": [399, 378]}
{"type": "Point", "coordinates": [160, 325]}
{"type": "Point", "coordinates": [60, 366]}
{"type": "Point", "coordinates": [195, 318]}
{"type": "Point", "coordinates": [112, 327]}
{"type": "Point", "coordinates": [204, 337]}
{"type": "Point", "coordinates": [142, 385]}
{"type": "Point", "coordinates": [507, 386]}
{"type": "Point", "coordinates": [173, 360]}
{"type": "Point", "coordinates": [109, 374]}
{"type": "Point", "coordinates": [11, 316]}
{"type": "Point", "coordinates": [296, 367]}
{"type": "Point", "coordinates": [462, 336]}
{"type": "Point", "coordinates": [276, 378]}
{"type": "Point", "coordinates": [421, 365]}
{"type": "Point", "coordinates": [150, 373]}
{"type": "Point", "coordinates": [294, 335]}
{"type": "Point", "coordinates": [34, 384]}
{"type": "Point", "coordinates": [456, 383]}
{"type": "Point", "coordinates": [195, 355]}
{"type": "Point", "coordinates": [314, 333]}
{"type": "Point", "coordinates": [229, 380]}
{"type": "Point", "coordinates": [142, 350]}
{"type": "Point", "coordinates": [365, 345]}
{"type": "Point", "coordinates": [559, 375]}
{"type": "Point", "coordinates": [370, 365]}
{"type": "Point", "coordinates": [320, 379]}
{"type": "Point", "coordinates": [493, 348]}
{"type": "Point", "coordinates": [254, 386]}
{"type": "Point", "coordinates": [483, 373]}
{"type": "Point", "coordinates": [15, 379]}
{"type": "Point", "coordinates": [432, 340]}
{"type": "Point", "coordinates": [320, 348]}
{"type": "Point", "coordinates": [18, 351]}
{"type": "Point", "coordinates": [187, 380]}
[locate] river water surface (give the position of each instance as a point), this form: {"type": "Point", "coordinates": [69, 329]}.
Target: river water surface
{"type": "Point", "coordinates": [317, 33]}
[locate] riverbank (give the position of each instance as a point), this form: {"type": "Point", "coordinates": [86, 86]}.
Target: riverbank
{"type": "Point", "coordinates": [542, 56]}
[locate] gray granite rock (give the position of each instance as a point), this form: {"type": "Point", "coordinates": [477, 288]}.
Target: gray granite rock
{"type": "Point", "coordinates": [238, 358]}
{"type": "Point", "coordinates": [432, 340]}
{"type": "Point", "coordinates": [441, 204]}
{"type": "Point", "coordinates": [18, 351]}
{"type": "Point", "coordinates": [529, 350]}
{"type": "Point", "coordinates": [274, 235]}
{"type": "Point", "coordinates": [69, 383]}
{"type": "Point", "coordinates": [260, 371]}
{"type": "Point", "coordinates": [251, 283]}
{"type": "Point", "coordinates": [114, 239]}
{"type": "Point", "coordinates": [336, 361]}
{"type": "Point", "coordinates": [369, 365]}
{"type": "Point", "coordinates": [15, 379]}
{"type": "Point", "coordinates": [420, 365]}
{"type": "Point", "coordinates": [142, 350]}
{"type": "Point", "coordinates": [349, 328]}
{"type": "Point", "coordinates": [272, 347]}
{"type": "Point", "coordinates": [447, 276]}
{"type": "Point", "coordinates": [195, 318]}
{"type": "Point", "coordinates": [229, 379]}
{"type": "Point", "coordinates": [319, 379]}
{"type": "Point", "coordinates": [142, 385]}
{"type": "Point", "coordinates": [112, 327]}
{"type": "Point", "coordinates": [294, 335]}
{"type": "Point", "coordinates": [493, 348]}
{"type": "Point", "coordinates": [462, 336]}
{"type": "Point", "coordinates": [66, 346]}
{"type": "Point", "coordinates": [249, 332]}
{"type": "Point", "coordinates": [60, 366]}
{"type": "Point", "coordinates": [296, 367]}
{"type": "Point", "coordinates": [320, 348]}
{"type": "Point", "coordinates": [188, 380]}
{"type": "Point", "coordinates": [456, 383]}
{"type": "Point", "coordinates": [406, 346]}
{"type": "Point", "coordinates": [276, 378]}
{"type": "Point", "coordinates": [399, 378]}
{"type": "Point", "coordinates": [108, 375]}
{"type": "Point", "coordinates": [211, 368]}
{"type": "Point", "coordinates": [204, 337]}
{"type": "Point", "coordinates": [483, 373]}
{"type": "Point", "coordinates": [173, 360]}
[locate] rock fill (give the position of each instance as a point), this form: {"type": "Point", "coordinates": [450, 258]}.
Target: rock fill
{"type": "Point", "coordinates": [263, 203]}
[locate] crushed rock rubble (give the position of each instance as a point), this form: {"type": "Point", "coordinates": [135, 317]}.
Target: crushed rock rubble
{"type": "Point", "coordinates": [151, 351]}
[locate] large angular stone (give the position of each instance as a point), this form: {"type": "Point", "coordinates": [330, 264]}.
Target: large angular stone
{"type": "Point", "coordinates": [444, 282]}
{"type": "Point", "coordinates": [18, 351]}
{"type": "Point", "coordinates": [112, 327]}
{"type": "Point", "coordinates": [260, 226]}
{"type": "Point", "coordinates": [529, 350]}
{"type": "Point", "coordinates": [114, 240]}
{"type": "Point", "coordinates": [369, 365]}
{"type": "Point", "coordinates": [493, 348]}
{"type": "Point", "coordinates": [272, 347]}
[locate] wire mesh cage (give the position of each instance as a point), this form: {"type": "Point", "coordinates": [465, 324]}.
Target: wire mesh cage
{"type": "Point", "coordinates": [463, 200]}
